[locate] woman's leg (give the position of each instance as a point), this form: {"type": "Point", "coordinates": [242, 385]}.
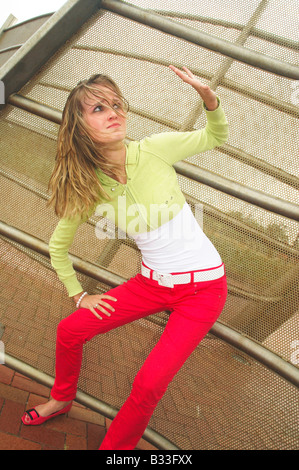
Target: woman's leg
{"type": "Point", "coordinates": [189, 322]}
{"type": "Point", "coordinates": [134, 300]}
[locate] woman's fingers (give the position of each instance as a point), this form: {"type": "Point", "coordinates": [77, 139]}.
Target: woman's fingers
{"type": "Point", "coordinates": [102, 306]}
{"type": "Point", "coordinates": [179, 73]}
{"type": "Point", "coordinates": [95, 313]}
{"type": "Point", "coordinates": [104, 296]}
{"type": "Point", "coordinates": [187, 76]}
{"type": "Point", "coordinates": [190, 74]}
{"type": "Point", "coordinates": [96, 304]}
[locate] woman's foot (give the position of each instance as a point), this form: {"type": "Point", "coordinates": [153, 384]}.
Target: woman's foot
{"type": "Point", "coordinates": [52, 406]}
{"type": "Point", "coordinates": [42, 413]}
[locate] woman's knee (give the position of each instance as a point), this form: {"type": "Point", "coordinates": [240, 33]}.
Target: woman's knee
{"type": "Point", "coordinates": [68, 329]}
{"type": "Point", "coordinates": [79, 327]}
{"type": "Point", "coordinates": [63, 330]}
{"type": "Point", "coordinates": [149, 388]}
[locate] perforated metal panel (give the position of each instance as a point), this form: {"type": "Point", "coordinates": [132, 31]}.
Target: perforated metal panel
{"type": "Point", "coordinates": [221, 399]}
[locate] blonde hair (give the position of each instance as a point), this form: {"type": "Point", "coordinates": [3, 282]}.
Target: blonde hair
{"type": "Point", "coordinates": [74, 185]}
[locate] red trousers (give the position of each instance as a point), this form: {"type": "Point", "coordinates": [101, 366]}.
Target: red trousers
{"type": "Point", "coordinates": [194, 309]}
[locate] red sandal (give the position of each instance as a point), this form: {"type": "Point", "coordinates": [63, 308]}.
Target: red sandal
{"type": "Point", "coordinates": [36, 419]}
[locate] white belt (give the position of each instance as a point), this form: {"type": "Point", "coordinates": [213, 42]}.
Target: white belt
{"type": "Point", "coordinates": [170, 280]}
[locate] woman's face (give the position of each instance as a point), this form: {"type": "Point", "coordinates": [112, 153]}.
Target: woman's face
{"type": "Point", "coordinates": [105, 116]}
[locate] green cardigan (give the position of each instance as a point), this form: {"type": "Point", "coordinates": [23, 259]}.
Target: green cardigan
{"type": "Point", "coordinates": [151, 195]}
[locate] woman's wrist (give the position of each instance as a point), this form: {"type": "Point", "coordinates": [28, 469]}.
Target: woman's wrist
{"type": "Point", "coordinates": [211, 105]}
{"type": "Point", "coordinates": [209, 97]}
{"type": "Point", "coordinates": [78, 297]}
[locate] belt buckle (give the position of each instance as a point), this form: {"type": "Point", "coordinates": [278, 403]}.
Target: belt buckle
{"type": "Point", "coordinates": [165, 280]}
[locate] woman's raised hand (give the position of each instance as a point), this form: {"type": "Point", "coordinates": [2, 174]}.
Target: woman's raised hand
{"type": "Point", "coordinates": [208, 96]}
{"type": "Point", "coordinates": [96, 303]}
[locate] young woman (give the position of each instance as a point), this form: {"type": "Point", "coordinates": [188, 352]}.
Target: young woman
{"type": "Point", "coordinates": [136, 186]}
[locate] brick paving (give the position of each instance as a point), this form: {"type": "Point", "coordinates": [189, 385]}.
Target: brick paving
{"type": "Point", "coordinates": [80, 429]}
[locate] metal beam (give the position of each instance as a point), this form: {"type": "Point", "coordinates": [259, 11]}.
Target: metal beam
{"type": "Point", "coordinates": [36, 108]}
{"type": "Point", "coordinates": [10, 48]}
{"type": "Point", "coordinates": [257, 351]}
{"type": "Point", "coordinates": [259, 33]}
{"type": "Point", "coordinates": [202, 39]}
{"type": "Point", "coordinates": [261, 165]}
{"type": "Point", "coordinates": [84, 267]}
{"type": "Point", "coordinates": [45, 42]}
{"type": "Point", "coordinates": [238, 190]}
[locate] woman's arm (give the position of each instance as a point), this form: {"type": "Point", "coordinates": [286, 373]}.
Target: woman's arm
{"type": "Point", "coordinates": [59, 246]}
{"type": "Point", "coordinates": [172, 147]}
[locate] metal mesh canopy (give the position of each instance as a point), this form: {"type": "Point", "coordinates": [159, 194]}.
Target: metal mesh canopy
{"type": "Point", "coordinates": [222, 398]}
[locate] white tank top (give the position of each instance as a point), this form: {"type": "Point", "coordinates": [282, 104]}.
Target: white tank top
{"type": "Point", "coordinates": [179, 245]}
